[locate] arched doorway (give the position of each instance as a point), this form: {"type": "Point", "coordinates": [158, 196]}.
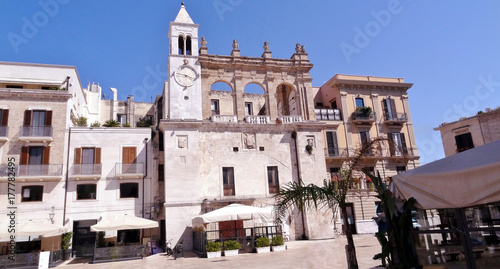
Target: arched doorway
{"type": "Point", "coordinates": [287, 100]}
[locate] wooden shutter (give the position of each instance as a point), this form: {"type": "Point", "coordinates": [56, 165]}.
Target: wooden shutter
{"type": "Point", "coordinates": [129, 155]}
{"type": "Point", "coordinates": [97, 155]}
{"type": "Point", "coordinates": [25, 154]}
{"type": "Point", "coordinates": [27, 118]}
{"type": "Point", "coordinates": [78, 155]}
{"type": "Point", "coordinates": [46, 155]}
{"type": "Point", "coordinates": [5, 117]}
{"type": "Point", "coordinates": [403, 143]}
{"type": "Point", "coordinates": [393, 106]}
{"type": "Point", "coordinates": [48, 118]}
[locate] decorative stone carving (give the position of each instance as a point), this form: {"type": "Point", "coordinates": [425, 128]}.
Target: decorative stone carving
{"type": "Point", "coordinates": [203, 42]}
{"type": "Point", "coordinates": [297, 48]}
{"type": "Point", "coordinates": [249, 141]}
{"type": "Point", "coordinates": [182, 142]}
{"type": "Point", "coordinates": [303, 49]}
{"type": "Point", "coordinates": [266, 46]}
{"type": "Point", "coordinates": [235, 44]}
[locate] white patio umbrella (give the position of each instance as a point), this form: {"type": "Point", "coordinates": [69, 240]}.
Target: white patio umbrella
{"type": "Point", "coordinates": [125, 222]}
{"type": "Point", "coordinates": [235, 212]}
{"type": "Point", "coordinates": [31, 228]}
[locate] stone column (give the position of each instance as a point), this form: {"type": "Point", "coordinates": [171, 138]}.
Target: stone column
{"type": "Point", "coordinates": [239, 100]}
{"type": "Point", "coordinates": [345, 113]}
{"type": "Point", "coordinates": [272, 106]}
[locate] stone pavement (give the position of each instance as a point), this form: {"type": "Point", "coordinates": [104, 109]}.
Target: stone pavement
{"type": "Point", "coordinates": [300, 254]}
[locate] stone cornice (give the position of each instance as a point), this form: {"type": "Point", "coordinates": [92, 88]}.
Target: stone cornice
{"type": "Point", "coordinates": [34, 93]}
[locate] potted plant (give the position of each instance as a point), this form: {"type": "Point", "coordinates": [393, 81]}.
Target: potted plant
{"type": "Point", "coordinates": [277, 243]}
{"type": "Point", "coordinates": [262, 245]}
{"type": "Point", "coordinates": [65, 244]}
{"type": "Point", "coordinates": [231, 248]}
{"type": "Point", "coordinates": [214, 249]}
{"type": "Point", "coordinates": [309, 149]}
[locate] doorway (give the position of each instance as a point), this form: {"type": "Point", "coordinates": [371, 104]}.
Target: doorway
{"type": "Point", "coordinates": [83, 238]}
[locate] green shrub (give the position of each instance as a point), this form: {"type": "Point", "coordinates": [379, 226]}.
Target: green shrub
{"type": "Point", "coordinates": [101, 242]}
{"type": "Point", "coordinates": [66, 240]}
{"type": "Point", "coordinates": [213, 246]}
{"type": "Point", "coordinates": [126, 125]}
{"type": "Point", "coordinates": [231, 244]}
{"type": "Point", "coordinates": [95, 124]}
{"type": "Point", "coordinates": [111, 123]}
{"type": "Point", "coordinates": [277, 240]}
{"type": "Point", "coordinates": [262, 242]}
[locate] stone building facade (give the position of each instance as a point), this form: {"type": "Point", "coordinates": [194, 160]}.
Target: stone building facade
{"type": "Point", "coordinates": [470, 132]}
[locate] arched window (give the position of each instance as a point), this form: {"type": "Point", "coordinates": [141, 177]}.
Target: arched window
{"type": "Point", "coordinates": [181, 45]}
{"type": "Point", "coordinates": [188, 45]}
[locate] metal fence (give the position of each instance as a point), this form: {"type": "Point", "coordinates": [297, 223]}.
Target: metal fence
{"type": "Point", "coordinates": [118, 253]}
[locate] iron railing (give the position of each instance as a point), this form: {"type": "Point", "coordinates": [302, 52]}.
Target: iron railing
{"type": "Point", "coordinates": [129, 168]}
{"type": "Point", "coordinates": [327, 114]}
{"type": "Point", "coordinates": [117, 253]}
{"type": "Point", "coordinates": [36, 131]}
{"type": "Point", "coordinates": [86, 169]}
{"type": "Point", "coordinates": [395, 117]}
{"type": "Point", "coordinates": [40, 170]}
{"type": "Point", "coordinates": [360, 116]}
{"type": "Point", "coordinates": [4, 130]}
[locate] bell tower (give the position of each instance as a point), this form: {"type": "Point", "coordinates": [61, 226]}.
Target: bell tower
{"type": "Point", "coordinates": [184, 87]}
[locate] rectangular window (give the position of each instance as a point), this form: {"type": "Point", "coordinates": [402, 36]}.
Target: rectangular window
{"type": "Point", "coordinates": [14, 86]}
{"type": "Point", "coordinates": [389, 109]}
{"type": "Point", "coordinates": [161, 172]}
{"type": "Point", "coordinates": [272, 179]}
{"type": "Point", "coordinates": [32, 194]}
{"type": "Point", "coordinates": [128, 236]}
{"type": "Point", "coordinates": [359, 102]}
{"type": "Point", "coordinates": [464, 142]}
{"type": "Point", "coordinates": [228, 181]}
{"type": "Point", "coordinates": [160, 141]}
{"type": "Point", "coordinates": [129, 190]}
{"type": "Point", "coordinates": [214, 105]}
{"type": "Point", "coordinates": [248, 109]}
{"type": "Point", "coordinates": [331, 142]}
{"type": "Point", "coordinates": [35, 155]}
{"type": "Point", "coordinates": [400, 169]}
{"type": "Point", "coordinates": [364, 137]}
{"type": "Point", "coordinates": [4, 117]}
{"type": "Point", "coordinates": [334, 104]}
{"type": "Point", "coordinates": [397, 144]}
{"type": "Point", "coordinates": [86, 192]}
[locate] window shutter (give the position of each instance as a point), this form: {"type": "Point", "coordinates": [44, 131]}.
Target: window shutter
{"type": "Point", "coordinates": [97, 158]}
{"type": "Point", "coordinates": [27, 118]}
{"type": "Point", "coordinates": [392, 146]}
{"type": "Point", "coordinates": [46, 155]}
{"type": "Point", "coordinates": [5, 117]}
{"type": "Point", "coordinates": [393, 105]}
{"type": "Point", "coordinates": [24, 155]}
{"type": "Point", "coordinates": [78, 155]}
{"type": "Point", "coordinates": [403, 143]}
{"type": "Point", "coordinates": [48, 118]}
{"type": "Point", "coordinates": [384, 105]}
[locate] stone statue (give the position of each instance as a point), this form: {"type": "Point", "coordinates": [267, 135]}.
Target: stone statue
{"type": "Point", "coordinates": [235, 44]}
{"type": "Point", "coordinates": [303, 49]}
{"type": "Point", "coordinates": [297, 48]}
{"type": "Point", "coordinates": [266, 46]}
{"type": "Point", "coordinates": [203, 42]}
{"type": "Point", "coordinates": [182, 142]}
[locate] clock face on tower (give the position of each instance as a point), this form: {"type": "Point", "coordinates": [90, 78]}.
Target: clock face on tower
{"type": "Point", "coordinates": [185, 75]}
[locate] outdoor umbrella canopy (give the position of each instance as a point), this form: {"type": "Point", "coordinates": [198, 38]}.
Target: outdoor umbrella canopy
{"type": "Point", "coordinates": [124, 222]}
{"type": "Point", "coordinates": [30, 228]}
{"type": "Point", "coordinates": [462, 180]}
{"type": "Point", "coordinates": [236, 212]}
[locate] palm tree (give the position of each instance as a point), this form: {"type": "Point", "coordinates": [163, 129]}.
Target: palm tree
{"type": "Point", "coordinates": [330, 195]}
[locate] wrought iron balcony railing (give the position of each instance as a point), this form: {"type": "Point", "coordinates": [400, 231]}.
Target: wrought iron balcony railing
{"type": "Point", "coordinates": [36, 131]}
{"type": "Point", "coordinates": [328, 114]}
{"type": "Point", "coordinates": [395, 117]}
{"type": "Point", "coordinates": [86, 169]}
{"type": "Point", "coordinates": [129, 168]}
{"type": "Point", "coordinates": [31, 170]}
{"type": "Point", "coordinates": [4, 130]}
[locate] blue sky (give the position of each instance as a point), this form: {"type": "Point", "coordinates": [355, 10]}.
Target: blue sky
{"type": "Point", "coordinates": [448, 49]}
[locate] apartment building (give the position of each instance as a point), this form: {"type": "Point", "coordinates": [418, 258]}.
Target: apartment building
{"type": "Point", "coordinates": [65, 175]}
{"type": "Point", "coordinates": [470, 132]}
{"type": "Point", "coordinates": [357, 109]}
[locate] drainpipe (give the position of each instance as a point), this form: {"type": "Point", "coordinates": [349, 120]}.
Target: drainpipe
{"type": "Point", "coordinates": [143, 179]}
{"type": "Point", "coordinates": [66, 179]}
{"type": "Point", "coordinates": [300, 182]}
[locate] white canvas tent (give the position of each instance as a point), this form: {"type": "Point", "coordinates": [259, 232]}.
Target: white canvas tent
{"type": "Point", "coordinates": [462, 180]}
{"type": "Point", "coordinates": [235, 212]}
{"type": "Point", "coordinates": [124, 222]}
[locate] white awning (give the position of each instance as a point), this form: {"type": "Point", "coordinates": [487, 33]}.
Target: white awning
{"type": "Point", "coordinates": [31, 228]}
{"type": "Point", "coordinates": [236, 212]}
{"type": "Point", "coordinates": [124, 222]}
{"type": "Point", "coordinates": [462, 180]}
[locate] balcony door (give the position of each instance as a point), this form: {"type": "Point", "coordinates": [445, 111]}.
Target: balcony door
{"type": "Point", "coordinates": [389, 109]}
{"type": "Point", "coordinates": [331, 142]}
{"type": "Point", "coordinates": [37, 121]}
{"type": "Point", "coordinates": [397, 144]}
{"type": "Point", "coordinates": [34, 160]}
{"type": "Point", "coordinates": [129, 158]}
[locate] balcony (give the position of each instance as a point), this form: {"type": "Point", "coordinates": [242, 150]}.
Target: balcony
{"type": "Point", "coordinates": [360, 117]}
{"type": "Point", "coordinates": [257, 119]}
{"type": "Point", "coordinates": [36, 134]}
{"type": "Point", "coordinates": [224, 118]}
{"type": "Point", "coordinates": [91, 171]}
{"type": "Point", "coordinates": [395, 118]}
{"type": "Point", "coordinates": [336, 153]}
{"type": "Point", "coordinates": [129, 170]}
{"type": "Point", "coordinates": [274, 188]}
{"type": "Point", "coordinates": [288, 119]}
{"type": "Point", "coordinates": [4, 131]}
{"type": "Point", "coordinates": [328, 114]}
{"type": "Point", "coordinates": [400, 152]}
{"type": "Point", "coordinates": [229, 190]}
{"type": "Point", "coordinates": [39, 172]}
